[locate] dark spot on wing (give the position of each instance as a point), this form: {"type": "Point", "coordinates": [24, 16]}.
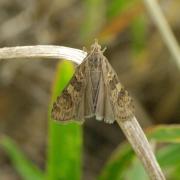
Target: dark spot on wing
{"type": "Point", "coordinates": [122, 92]}
{"type": "Point", "coordinates": [122, 97]}
{"type": "Point", "coordinates": [113, 82]}
{"type": "Point", "coordinates": [66, 100]}
{"type": "Point", "coordinates": [76, 84]}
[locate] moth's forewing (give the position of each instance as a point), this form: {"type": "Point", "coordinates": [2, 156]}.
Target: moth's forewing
{"type": "Point", "coordinates": [120, 100]}
{"type": "Point", "coordinates": [68, 106]}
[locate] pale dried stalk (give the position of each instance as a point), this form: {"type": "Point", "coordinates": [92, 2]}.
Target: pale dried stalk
{"type": "Point", "coordinates": [131, 128]}
{"type": "Point", "coordinates": [164, 28]}
{"type": "Point", "coordinates": [43, 51]}
{"type": "Point", "coordinates": [139, 142]}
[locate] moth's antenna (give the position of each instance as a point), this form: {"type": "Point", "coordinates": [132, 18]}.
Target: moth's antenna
{"type": "Point", "coordinates": [85, 49]}
{"type": "Point", "coordinates": [104, 49]}
{"type": "Point", "coordinates": [96, 46]}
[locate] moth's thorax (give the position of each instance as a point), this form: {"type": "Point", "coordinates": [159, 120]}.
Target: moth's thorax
{"type": "Point", "coordinates": [95, 61]}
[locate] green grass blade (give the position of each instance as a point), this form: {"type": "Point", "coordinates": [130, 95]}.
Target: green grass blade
{"type": "Point", "coordinates": [124, 165]}
{"type": "Point", "coordinates": [26, 169]}
{"type": "Point", "coordinates": [168, 158]}
{"type": "Point", "coordinates": [136, 171]}
{"type": "Point", "coordinates": [65, 141]}
{"type": "Point", "coordinates": [165, 133]}
{"type": "Point", "coordinates": [169, 155]}
{"type": "Point", "coordinates": [118, 163]}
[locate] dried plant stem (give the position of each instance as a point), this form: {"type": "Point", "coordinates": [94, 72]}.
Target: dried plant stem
{"type": "Point", "coordinates": [131, 128]}
{"type": "Point", "coordinates": [164, 28]}
{"type": "Point", "coordinates": [139, 142]}
{"type": "Point", "coordinates": [43, 51]}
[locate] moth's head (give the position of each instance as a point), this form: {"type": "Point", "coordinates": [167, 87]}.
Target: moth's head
{"type": "Point", "coordinates": [95, 47]}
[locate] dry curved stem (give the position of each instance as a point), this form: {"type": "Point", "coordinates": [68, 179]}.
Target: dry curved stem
{"type": "Point", "coordinates": [139, 142]}
{"type": "Point", "coordinates": [131, 128]}
{"type": "Point", "coordinates": [164, 28]}
{"type": "Point", "coordinates": [43, 51]}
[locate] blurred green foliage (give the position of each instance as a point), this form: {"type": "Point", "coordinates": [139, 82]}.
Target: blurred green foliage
{"type": "Point", "coordinates": [93, 20]}
{"type": "Point", "coordinates": [122, 164]}
{"type": "Point", "coordinates": [138, 29]}
{"type": "Point", "coordinates": [167, 155]}
{"type": "Point", "coordinates": [24, 167]}
{"type": "Point", "coordinates": [116, 6]}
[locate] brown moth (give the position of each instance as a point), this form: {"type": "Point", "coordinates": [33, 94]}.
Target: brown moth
{"type": "Point", "coordinates": [93, 91]}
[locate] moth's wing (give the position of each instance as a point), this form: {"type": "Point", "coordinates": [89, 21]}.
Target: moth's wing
{"type": "Point", "coordinates": [109, 116]}
{"type": "Point", "coordinates": [70, 104]}
{"type": "Point", "coordinates": [85, 108]}
{"type": "Point", "coordinates": [104, 110]}
{"type": "Point", "coordinates": [121, 102]}
{"type": "Point", "coordinates": [100, 98]}
{"type": "Point", "coordinates": [88, 97]}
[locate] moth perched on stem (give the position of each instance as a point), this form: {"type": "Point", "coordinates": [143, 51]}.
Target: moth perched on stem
{"type": "Point", "coordinates": [93, 91]}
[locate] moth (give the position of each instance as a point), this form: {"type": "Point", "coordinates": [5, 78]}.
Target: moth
{"type": "Point", "coordinates": [93, 91]}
